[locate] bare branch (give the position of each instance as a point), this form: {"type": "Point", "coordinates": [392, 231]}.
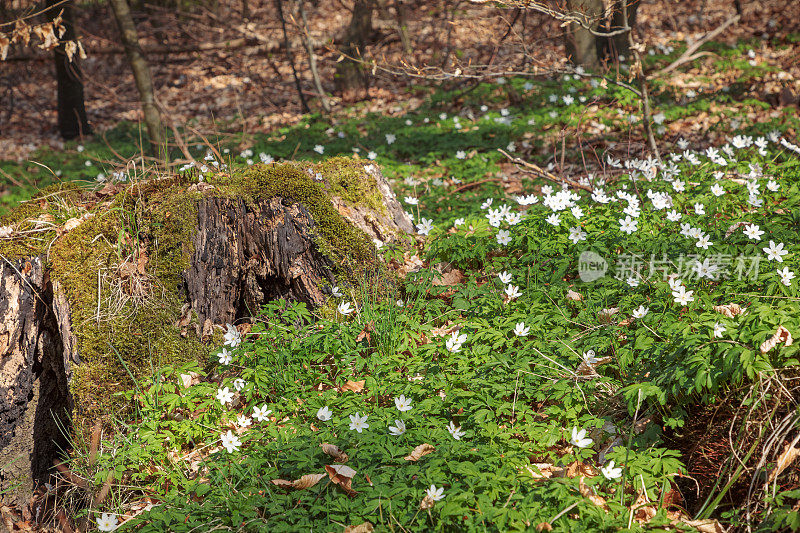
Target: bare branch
{"type": "Point", "coordinates": [567, 17]}
{"type": "Point", "coordinates": [542, 173]}
{"type": "Point", "coordinates": [688, 55]}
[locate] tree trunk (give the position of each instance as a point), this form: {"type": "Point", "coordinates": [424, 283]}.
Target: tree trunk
{"type": "Point", "coordinates": [402, 25]}
{"type": "Point", "coordinates": [36, 347]}
{"type": "Point", "coordinates": [229, 246]}
{"type": "Point", "coordinates": [72, 120]}
{"type": "Point", "coordinates": [581, 44]}
{"type": "Point", "coordinates": [141, 73]}
{"type": "Point", "coordinates": [312, 59]}
{"type": "Point", "coordinates": [290, 56]}
{"type": "Point", "coordinates": [618, 44]}
{"type": "Point", "coordinates": [350, 74]}
{"type": "Point", "coordinates": [400, 20]}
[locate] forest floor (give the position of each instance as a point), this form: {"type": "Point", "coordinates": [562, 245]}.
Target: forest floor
{"type": "Point", "coordinates": [502, 390]}
{"type": "Point", "coordinates": [250, 89]}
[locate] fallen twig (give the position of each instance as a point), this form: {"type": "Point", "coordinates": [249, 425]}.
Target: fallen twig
{"type": "Point", "coordinates": [475, 184]}
{"type": "Point", "coordinates": [687, 56]}
{"type": "Point", "coordinates": [542, 173]}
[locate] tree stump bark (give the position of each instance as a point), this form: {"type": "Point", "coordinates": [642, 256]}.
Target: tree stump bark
{"type": "Point", "coordinates": [245, 239]}
{"type": "Point", "coordinates": [35, 402]}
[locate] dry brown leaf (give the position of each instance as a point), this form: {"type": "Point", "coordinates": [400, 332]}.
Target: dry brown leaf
{"type": "Point", "coordinates": [574, 296]}
{"type": "Point", "coordinates": [192, 378]}
{"type": "Point", "coordinates": [366, 332]}
{"type": "Point", "coordinates": [643, 509]}
{"type": "Point", "coordinates": [72, 223]}
{"type": "Point", "coordinates": [426, 503]}
{"type": "Point", "coordinates": [781, 336]}
{"type": "Point", "coordinates": [580, 469]}
{"type": "Point", "coordinates": [704, 526]}
{"type": "Point", "coordinates": [307, 481]}
{"type": "Point", "coordinates": [355, 386]}
{"type": "Point", "coordinates": [587, 369]}
{"type": "Point", "coordinates": [586, 492]}
{"type": "Point", "coordinates": [411, 263]}
{"type": "Point", "coordinates": [304, 482]}
{"type": "Point", "coordinates": [543, 470]}
{"type": "Point", "coordinates": [334, 451]}
{"type": "Point", "coordinates": [729, 310]}
{"type": "Point", "coordinates": [454, 277]}
{"type": "Point", "coordinates": [419, 452]}
{"type": "Point", "coordinates": [734, 227]}
{"type": "Point", "coordinates": [789, 455]}
{"type": "Point", "coordinates": [444, 330]}
{"type": "Point", "coordinates": [343, 476]}
{"type": "Point", "coordinates": [366, 527]}
{"type": "Point", "coordinates": [606, 316]}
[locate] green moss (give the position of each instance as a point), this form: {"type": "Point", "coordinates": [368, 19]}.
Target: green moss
{"type": "Point", "coordinates": [342, 242]}
{"type": "Point", "coordinates": [140, 334]}
{"type": "Point", "coordinates": [57, 200]}
{"type": "Point", "coordinates": [347, 179]}
{"type": "Point", "coordinates": [126, 336]}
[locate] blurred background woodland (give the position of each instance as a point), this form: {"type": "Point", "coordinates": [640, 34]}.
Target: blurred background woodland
{"type": "Point", "coordinates": [250, 65]}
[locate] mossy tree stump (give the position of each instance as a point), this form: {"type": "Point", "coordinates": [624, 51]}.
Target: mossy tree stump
{"type": "Point", "coordinates": [148, 273]}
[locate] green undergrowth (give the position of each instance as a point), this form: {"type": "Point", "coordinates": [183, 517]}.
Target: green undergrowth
{"type": "Point", "coordinates": [497, 381]}
{"type": "Point", "coordinates": [621, 356]}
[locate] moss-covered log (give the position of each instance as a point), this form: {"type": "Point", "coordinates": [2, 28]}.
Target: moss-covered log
{"type": "Point", "coordinates": [99, 285]}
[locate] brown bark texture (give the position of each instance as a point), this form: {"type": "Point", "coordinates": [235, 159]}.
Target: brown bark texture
{"type": "Point", "coordinates": [36, 356]}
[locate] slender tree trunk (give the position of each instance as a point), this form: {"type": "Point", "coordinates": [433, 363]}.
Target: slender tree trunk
{"type": "Point", "coordinates": [290, 57]}
{"type": "Point", "coordinates": [402, 25]}
{"type": "Point", "coordinates": [618, 44]}
{"type": "Point", "coordinates": [400, 20]}
{"type": "Point", "coordinates": [141, 73]}
{"type": "Point", "coordinates": [350, 74]}
{"type": "Point", "coordinates": [72, 120]}
{"type": "Point", "coordinates": [312, 59]}
{"type": "Point", "coordinates": [581, 44]}
{"type": "Point", "coordinates": [646, 112]}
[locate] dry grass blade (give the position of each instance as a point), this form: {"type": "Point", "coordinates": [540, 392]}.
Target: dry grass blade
{"type": "Point", "coordinates": [101, 496]}
{"type": "Point", "coordinates": [789, 455]}
{"type": "Point", "coordinates": [69, 476]}
{"type": "Point", "coordinates": [95, 445]}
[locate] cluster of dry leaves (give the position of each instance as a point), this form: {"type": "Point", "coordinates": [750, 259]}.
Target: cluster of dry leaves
{"type": "Point", "coordinates": [342, 475]}
{"type": "Point", "coordinates": [48, 33]}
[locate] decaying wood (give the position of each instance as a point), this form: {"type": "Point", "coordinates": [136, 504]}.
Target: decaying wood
{"type": "Point", "coordinates": [243, 254]}
{"type": "Point", "coordinates": [34, 374]}
{"type": "Point", "coordinates": [247, 255]}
